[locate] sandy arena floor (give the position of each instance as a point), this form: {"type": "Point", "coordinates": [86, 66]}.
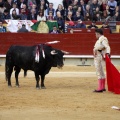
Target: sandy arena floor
{"type": "Point", "coordinates": [68, 96]}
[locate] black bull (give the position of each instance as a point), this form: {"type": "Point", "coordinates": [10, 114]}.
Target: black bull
{"type": "Point", "coordinates": [38, 58]}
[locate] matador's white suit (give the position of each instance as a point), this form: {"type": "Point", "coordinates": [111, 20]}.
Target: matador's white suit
{"type": "Point", "coordinates": [100, 49]}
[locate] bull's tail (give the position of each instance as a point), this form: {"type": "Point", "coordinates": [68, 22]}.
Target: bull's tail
{"type": "Point", "coordinates": [6, 72]}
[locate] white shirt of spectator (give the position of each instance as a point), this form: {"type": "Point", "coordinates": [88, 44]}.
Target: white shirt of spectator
{"type": "Point", "coordinates": [17, 11]}
{"type": "Point", "coordinates": [114, 3]}
{"type": "Point", "coordinates": [39, 18]}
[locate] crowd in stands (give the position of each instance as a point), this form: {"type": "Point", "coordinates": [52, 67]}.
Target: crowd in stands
{"type": "Point", "coordinates": [71, 10]}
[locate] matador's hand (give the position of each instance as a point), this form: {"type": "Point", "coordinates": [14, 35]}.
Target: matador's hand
{"type": "Point", "coordinates": [108, 55]}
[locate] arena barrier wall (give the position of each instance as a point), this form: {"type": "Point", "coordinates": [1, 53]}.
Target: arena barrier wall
{"type": "Point", "coordinates": [79, 45]}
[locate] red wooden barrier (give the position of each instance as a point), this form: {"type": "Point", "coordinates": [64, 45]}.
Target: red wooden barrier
{"type": "Point", "coordinates": [77, 44]}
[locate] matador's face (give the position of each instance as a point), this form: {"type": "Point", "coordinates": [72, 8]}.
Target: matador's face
{"type": "Point", "coordinates": [97, 35]}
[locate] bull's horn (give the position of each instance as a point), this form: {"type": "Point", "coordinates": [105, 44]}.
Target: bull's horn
{"type": "Point", "coordinates": [65, 52]}
{"type": "Point", "coordinates": [53, 52]}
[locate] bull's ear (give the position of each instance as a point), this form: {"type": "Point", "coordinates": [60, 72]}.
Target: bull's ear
{"type": "Point", "coordinates": [65, 52]}
{"type": "Point", "coordinates": [53, 52]}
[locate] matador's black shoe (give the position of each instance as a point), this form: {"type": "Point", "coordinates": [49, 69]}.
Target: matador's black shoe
{"type": "Point", "coordinates": [104, 89]}
{"type": "Point", "coordinates": [98, 91]}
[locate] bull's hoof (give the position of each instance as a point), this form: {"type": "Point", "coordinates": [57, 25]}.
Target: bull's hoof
{"type": "Point", "coordinates": [43, 87]}
{"type": "Point", "coordinates": [37, 88]}
{"type": "Point", "coordinates": [9, 86]}
{"type": "Point", "coordinates": [17, 86]}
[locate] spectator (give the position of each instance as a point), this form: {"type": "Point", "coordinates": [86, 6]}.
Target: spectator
{"type": "Point", "coordinates": [5, 15]}
{"type": "Point", "coordinates": [42, 3]}
{"type": "Point", "coordinates": [112, 4]}
{"type": "Point", "coordinates": [97, 15]}
{"type": "Point", "coordinates": [104, 25]}
{"type": "Point", "coordinates": [80, 11]}
{"type": "Point", "coordinates": [71, 24]}
{"type": "Point", "coordinates": [32, 15]}
{"type": "Point", "coordinates": [60, 9]}
{"type": "Point", "coordinates": [75, 5]}
{"type": "Point", "coordinates": [24, 7]}
{"type": "Point", "coordinates": [70, 9]}
{"type": "Point", "coordinates": [50, 16]}
{"type": "Point", "coordinates": [22, 15]}
{"type": "Point", "coordinates": [55, 30]}
{"type": "Point", "coordinates": [41, 17]}
{"type": "Point", "coordinates": [50, 8]}
{"type": "Point", "coordinates": [78, 16]}
{"type": "Point", "coordinates": [93, 25]}
{"type": "Point", "coordinates": [14, 7]}
{"type": "Point", "coordinates": [42, 7]}
{"type": "Point", "coordinates": [8, 5]}
{"type": "Point", "coordinates": [2, 28]}
{"type": "Point", "coordinates": [14, 15]}
{"type": "Point", "coordinates": [93, 7]}
{"type": "Point", "coordinates": [87, 9]}
{"type": "Point", "coordinates": [30, 3]}
{"type": "Point", "coordinates": [69, 17]}
{"type": "Point", "coordinates": [2, 8]}
{"type": "Point", "coordinates": [21, 2]}
{"type": "Point", "coordinates": [66, 3]}
{"type": "Point", "coordinates": [80, 24]}
{"type": "Point", "coordinates": [22, 29]}
{"type": "Point", "coordinates": [60, 21]}
{"type": "Point", "coordinates": [83, 6]}
{"type": "Point", "coordinates": [87, 17]}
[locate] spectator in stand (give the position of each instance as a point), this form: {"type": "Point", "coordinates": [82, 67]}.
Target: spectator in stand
{"type": "Point", "coordinates": [60, 21]}
{"type": "Point", "coordinates": [75, 5]}
{"type": "Point", "coordinates": [87, 17]}
{"type": "Point", "coordinates": [34, 7]}
{"type": "Point", "coordinates": [87, 9]}
{"type": "Point", "coordinates": [104, 25]}
{"type": "Point", "coordinates": [42, 6]}
{"type": "Point", "coordinates": [14, 15]}
{"type": "Point", "coordinates": [97, 15]}
{"type": "Point", "coordinates": [23, 29]}
{"type": "Point", "coordinates": [30, 3]}
{"type": "Point", "coordinates": [117, 16]}
{"type": "Point", "coordinates": [112, 5]}
{"type": "Point", "coordinates": [14, 7]}
{"type": "Point", "coordinates": [50, 16]}
{"type": "Point", "coordinates": [8, 5]}
{"type": "Point", "coordinates": [93, 7]}
{"type": "Point", "coordinates": [20, 3]}
{"type": "Point", "coordinates": [2, 28]}
{"type": "Point", "coordinates": [32, 15]}
{"type": "Point", "coordinates": [55, 30]}
{"type": "Point", "coordinates": [93, 25]}
{"type": "Point", "coordinates": [71, 24]}
{"type": "Point", "coordinates": [66, 3]}
{"type": "Point", "coordinates": [80, 10]}
{"type": "Point", "coordinates": [26, 11]}
{"type": "Point", "coordinates": [60, 9]}
{"type": "Point", "coordinates": [40, 2]}
{"type": "Point", "coordinates": [50, 8]}
{"type": "Point", "coordinates": [41, 16]}
{"type": "Point", "coordinates": [78, 16]}
{"type": "Point", "coordinates": [22, 15]}
{"type": "Point", "coordinates": [80, 24]}
{"type": "Point", "coordinates": [70, 9]}
{"type": "Point", "coordinates": [83, 7]}
{"type": "Point", "coordinates": [2, 8]}
{"type": "Point", "coordinates": [5, 15]}
{"type": "Point", "coordinates": [69, 17]}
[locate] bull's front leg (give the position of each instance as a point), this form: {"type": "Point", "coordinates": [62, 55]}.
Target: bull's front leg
{"type": "Point", "coordinates": [42, 81]}
{"type": "Point", "coordinates": [37, 80]}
